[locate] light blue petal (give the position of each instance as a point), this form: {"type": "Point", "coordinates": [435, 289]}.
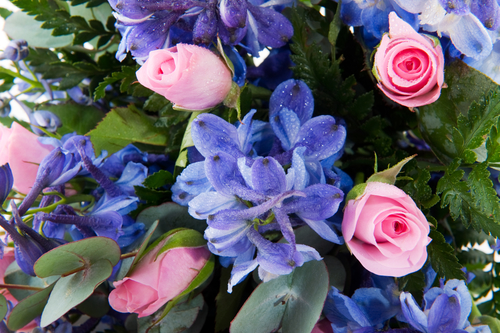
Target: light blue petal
{"type": "Point", "coordinates": [268, 176]}
{"type": "Point", "coordinates": [286, 126]}
{"type": "Point", "coordinates": [324, 230]}
{"type": "Point", "coordinates": [375, 305]}
{"type": "Point", "coordinates": [469, 36]}
{"type": "Point", "coordinates": [444, 314]}
{"type": "Point", "coordinates": [299, 167]}
{"type": "Point", "coordinates": [245, 132]}
{"type": "Point", "coordinates": [211, 202]}
{"type": "Point", "coordinates": [412, 312]}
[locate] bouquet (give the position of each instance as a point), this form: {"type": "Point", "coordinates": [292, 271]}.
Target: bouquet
{"type": "Point", "coordinates": [250, 166]}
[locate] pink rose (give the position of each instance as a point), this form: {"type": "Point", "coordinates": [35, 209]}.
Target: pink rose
{"type": "Point", "coordinates": [22, 150]}
{"type": "Point", "coordinates": [157, 279]}
{"type": "Point", "coordinates": [189, 76]}
{"type": "Point", "coordinates": [409, 66]}
{"type": "Point", "coordinates": [386, 231]}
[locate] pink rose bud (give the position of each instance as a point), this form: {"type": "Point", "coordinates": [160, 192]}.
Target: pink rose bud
{"type": "Point", "coordinates": [22, 150]}
{"type": "Point", "coordinates": [409, 66]}
{"type": "Point", "coordinates": [158, 278]}
{"type": "Point", "coordinates": [189, 76]}
{"type": "Point", "coordinates": [385, 230]}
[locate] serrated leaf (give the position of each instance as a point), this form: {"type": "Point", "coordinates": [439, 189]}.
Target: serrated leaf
{"type": "Point", "coordinates": [493, 144]}
{"type": "Point", "coordinates": [28, 309]}
{"type": "Point", "coordinates": [126, 74]}
{"type": "Point", "coordinates": [151, 196]}
{"type": "Point", "coordinates": [455, 111]}
{"type": "Point", "coordinates": [75, 117]}
{"type": "Point", "coordinates": [294, 301]}
{"type": "Point", "coordinates": [69, 291]}
{"type": "Point", "coordinates": [413, 283]}
{"type": "Point", "coordinates": [159, 179]}
{"type": "Point", "coordinates": [155, 103]}
{"type": "Point", "coordinates": [442, 257]}
{"type": "Point", "coordinates": [123, 126]}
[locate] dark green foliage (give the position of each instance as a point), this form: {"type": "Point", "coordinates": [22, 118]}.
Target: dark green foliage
{"type": "Point", "coordinates": [442, 257]}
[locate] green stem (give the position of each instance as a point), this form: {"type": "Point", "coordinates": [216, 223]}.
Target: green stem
{"type": "Point", "coordinates": [19, 286]}
{"type": "Point", "coordinates": [128, 255]}
{"type": "Point", "coordinates": [64, 200]}
{"type": "Point", "coordinates": [19, 76]}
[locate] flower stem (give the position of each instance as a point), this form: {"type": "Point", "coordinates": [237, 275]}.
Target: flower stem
{"type": "Point", "coordinates": [19, 76]}
{"type": "Point", "coordinates": [19, 286]}
{"type": "Point", "coordinates": [129, 255]}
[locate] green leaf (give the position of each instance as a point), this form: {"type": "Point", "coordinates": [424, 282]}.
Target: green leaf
{"type": "Point", "coordinates": [28, 309]}
{"type": "Point", "coordinates": [179, 319]}
{"type": "Point", "coordinates": [3, 306]}
{"type": "Point", "coordinates": [454, 123]}
{"type": "Point", "coordinates": [228, 304]}
{"type": "Point", "coordinates": [150, 196]}
{"type": "Point", "coordinates": [97, 305]}
{"type": "Point", "coordinates": [144, 245]}
{"type": "Point", "coordinates": [123, 126]}
{"type": "Point", "coordinates": [159, 179]}
{"type": "Point", "coordinates": [155, 103]}
{"type": "Point", "coordinates": [126, 76]}
{"type": "Point", "coordinates": [442, 257]}
{"type": "Point", "coordinates": [14, 275]}
{"type": "Point", "coordinates": [170, 216]}
{"type": "Point", "coordinates": [19, 25]}
{"type": "Point", "coordinates": [413, 283]}
{"type": "Point", "coordinates": [493, 144]}
{"type": "Point", "coordinates": [75, 117]}
{"type": "Point", "coordinates": [77, 255]}
{"type": "Point", "coordinates": [294, 301]}
{"type": "Point", "coordinates": [4, 12]}
{"type": "Point", "coordinates": [335, 26]}
{"type": "Point", "coordinates": [72, 290]}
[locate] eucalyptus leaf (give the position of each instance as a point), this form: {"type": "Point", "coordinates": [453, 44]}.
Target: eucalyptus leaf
{"type": "Point", "coordinates": [77, 255]}
{"type": "Point", "coordinates": [294, 301]}
{"type": "Point", "coordinates": [28, 309]}
{"type": "Point", "coordinates": [69, 291]}
{"type": "Point", "coordinates": [170, 216]}
{"type": "Point", "coordinates": [3, 306]}
{"type": "Point", "coordinates": [14, 275]}
{"type": "Point", "coordinates": [179, 319]}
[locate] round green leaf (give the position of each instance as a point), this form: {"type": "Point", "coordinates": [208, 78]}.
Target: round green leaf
{"type": "Point", "coordinates": [295, 300]}
{"type": "Point", "coordinates": [14, 275]}
{"type": "Point", "coordinates": [179, 319]}
{"type": "Point", "coordinates": [72, 290]}
{"type": "Point", "coordinates": [77, 255]}
{"type": "Point", "coordinates": [28, 309]}
{"type": "Point", "coordinates": [20, 25]}
{"type": "Point", "coordinates": [97, 305]}
{"type": "Point", "coordinates": [3, 306]}
{"type": "Point", "coordinates": [170, 216]}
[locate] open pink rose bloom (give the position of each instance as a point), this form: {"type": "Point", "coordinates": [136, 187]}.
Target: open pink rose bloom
{"type": "Point", "coordinates": [158, 279]}
{"type": "Point", "coordinates": [386, 231]}
{"type": "Point", "coordinates": [22, 150]}
{"type": "Point", "coordinates": [189, 76]}
{"type": "Point", "coordinates": [409, 65]}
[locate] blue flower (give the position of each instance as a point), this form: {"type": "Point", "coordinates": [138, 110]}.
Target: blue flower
{"type": "Point", "coordinates": [16, 50]}
{"type": "Point", "coordinates": [6, 182]}
{"type": "Point", "coordinates": [446, 309]}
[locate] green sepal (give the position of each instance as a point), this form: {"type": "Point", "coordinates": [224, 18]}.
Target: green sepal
{"type": "Point", "coordinates": [389, 175]}
{"type": "Point", "coordinates": [187, 141]}
{"type": "Point", "coordinates": [226, 59]}
{"type": "Point", "coordinates": [356, 192]}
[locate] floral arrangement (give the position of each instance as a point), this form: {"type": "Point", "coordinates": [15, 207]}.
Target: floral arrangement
{"type": "Point", "coordinates": [250, 166]}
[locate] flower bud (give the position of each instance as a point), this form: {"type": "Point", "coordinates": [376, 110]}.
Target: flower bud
{"type": "Point", "coordinates": [164, 272]}
{"type": "Point", "coordinates": [16, 50]}
{"type": "Point", "coordinates": [45, 119]}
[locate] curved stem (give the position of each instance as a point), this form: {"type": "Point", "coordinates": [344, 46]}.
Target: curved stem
{"type": "Point", "coordinates": [128, 255]}
{"type": "Point", "coordinates": [19, 76]}
{"type": "Point", "coordinates": [19, 286]}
